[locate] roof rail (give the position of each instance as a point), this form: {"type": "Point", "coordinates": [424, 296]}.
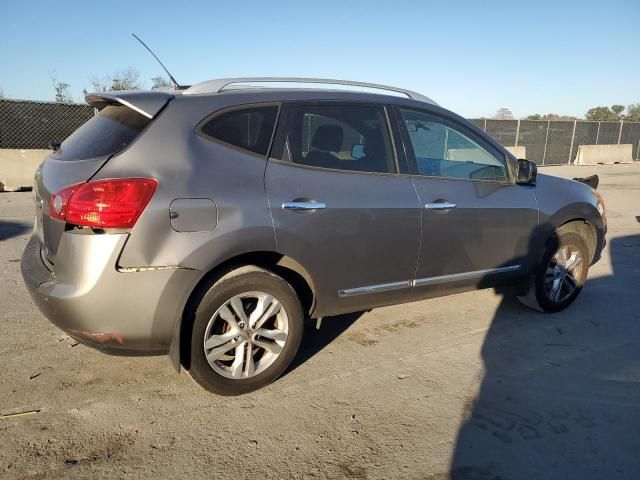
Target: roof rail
{"type": "Point", "coordinates": [218, 85]}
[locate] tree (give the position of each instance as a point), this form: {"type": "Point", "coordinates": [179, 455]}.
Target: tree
{"type": "Point", "coordinates": [617, 110]}
{"type": "Point", "coordinates": [126, 79]}
{"type": "Point", "coordinates": [633, 112]}
{"type": "Point", "coordinates": [503, 114]}
{"type": "Point", "coordinates": [550, 116]}
{"type": "Point", "coordinates": [604, 114]}
{"type": "Point", "coordinates": [160, 82]}
{"type": "Point", "coordinates": [555, 116]}
{"type": "Point", "coordinates": [63, 90]}
{"type": "Point", "coordinates": [599, 114]}
{"type": "Point", "coordinates": [100, 84]}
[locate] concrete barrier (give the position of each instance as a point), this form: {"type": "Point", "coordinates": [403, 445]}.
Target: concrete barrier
{"type": "Point", "coordinates": [18, 167]}
{"type": "Point", "coordinates": [474, 154]}
{"type": "Point", "coordinates": [518, 152]}
{"type": "Point", "coordinates": [604, 154]}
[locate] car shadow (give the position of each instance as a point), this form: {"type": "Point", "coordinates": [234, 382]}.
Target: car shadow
{"type": "Point", "coordinates": [12, 229]}
{"type": "Point", "coordinates": [314, 339]}
{"type": "Point", "coordinates": [560, 396]}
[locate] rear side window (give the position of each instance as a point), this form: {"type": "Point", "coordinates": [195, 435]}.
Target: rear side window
{"type": "Point", "coordinates": [248, 128]}
{"type": "Point", "coordinates": [111, 130]}
{"type": "Point", "coordinates": [342, 137]}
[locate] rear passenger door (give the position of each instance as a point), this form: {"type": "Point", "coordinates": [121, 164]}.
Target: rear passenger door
{"type": "Point", "coordinates": [343, 205]}
{"type": "Point", "coordinates": [477, 223]}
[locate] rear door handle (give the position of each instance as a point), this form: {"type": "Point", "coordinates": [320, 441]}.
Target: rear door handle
{"type": "Point", "coordinates": [303, 206]}
{"type": "Point", "coordinates": [440, 205]}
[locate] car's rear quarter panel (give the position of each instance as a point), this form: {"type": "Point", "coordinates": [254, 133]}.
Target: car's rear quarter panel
{"type": "Point", "coordinates": [187, 165]}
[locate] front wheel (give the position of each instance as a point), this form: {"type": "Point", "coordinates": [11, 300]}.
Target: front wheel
{"type": "Point", "coordinates": [558, 279]}
{"type": "Point", "coordinates": [246, 331]}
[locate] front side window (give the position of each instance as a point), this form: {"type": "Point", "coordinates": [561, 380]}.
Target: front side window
{"type": "Point", "coordinates": [343, 137]}
{"type": "Point", "coordinates": [442, 149]}
{"type": "Point", "coordinates": [248, 128]}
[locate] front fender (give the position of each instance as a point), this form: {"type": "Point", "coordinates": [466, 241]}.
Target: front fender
{"type": "Point", "coordinates": [561, 201]}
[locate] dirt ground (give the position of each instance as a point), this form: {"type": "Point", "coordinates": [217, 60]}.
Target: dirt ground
{"type": "Point", "coordinates": [471, 386]}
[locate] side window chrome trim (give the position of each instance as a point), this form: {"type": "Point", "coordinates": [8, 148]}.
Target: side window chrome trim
{"type": "Point", "coordinates": [394, 141]}
{"type": "Point", "coordinates": [508, 181]}
{"type": "Point", "coordinates": [337, 170]}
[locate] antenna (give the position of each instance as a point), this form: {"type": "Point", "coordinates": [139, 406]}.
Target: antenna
{"type": "Point", "coordinates": [178, 86]}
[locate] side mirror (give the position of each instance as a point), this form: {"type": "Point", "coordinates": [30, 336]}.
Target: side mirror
{"type": "Point", "coordinates": [357, 151]}
{"type": "Point", "coordinates": [527, 172]}
{"type": "Point", "coordinates": [55, 145]}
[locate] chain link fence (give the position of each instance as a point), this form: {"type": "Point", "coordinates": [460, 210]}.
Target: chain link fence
{"type": "Point", "coordinates": [34, 125]}
{"type": "Point", "coordinates": [28, 124]}
{"type": "Point", "coordinates": [556, 142]}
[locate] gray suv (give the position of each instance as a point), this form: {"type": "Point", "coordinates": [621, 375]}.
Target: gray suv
{"type": "Point", "coordinates": [207, 223]}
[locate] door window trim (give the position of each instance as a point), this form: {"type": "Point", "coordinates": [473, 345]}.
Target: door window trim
{"type": "Point", "coordinates": [484, 143]}
{"type": "Point", "coordinates": [281, 146]}
{"type": "Point", "coordinates": [242, 106]}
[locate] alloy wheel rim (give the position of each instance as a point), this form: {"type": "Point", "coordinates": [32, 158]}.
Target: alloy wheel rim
{"type": "Point", "coordinates": [563, 272]}
{"type": "Point", "coordinates": [246, 335]}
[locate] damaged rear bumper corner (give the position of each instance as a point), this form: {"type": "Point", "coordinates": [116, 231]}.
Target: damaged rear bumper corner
{"type": "Point", "coordinates": [131, 311]}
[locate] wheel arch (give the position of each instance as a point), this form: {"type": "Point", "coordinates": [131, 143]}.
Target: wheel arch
{"type": "Point", "coordinates": [286, 267]}
{"type": "Point", "coordinates": [586, 229]}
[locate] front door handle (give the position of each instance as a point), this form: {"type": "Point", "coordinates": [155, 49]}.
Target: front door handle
{"type": "Point", "coordinates": [440, 205]}
{"type": "Point", "coordinates": [303, 206]}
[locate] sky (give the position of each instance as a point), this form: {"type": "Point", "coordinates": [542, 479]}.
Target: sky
{"type": "Point", "coordinates": [472, 57]}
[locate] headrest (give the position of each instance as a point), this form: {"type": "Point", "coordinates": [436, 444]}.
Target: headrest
{"type": "Point", "coordinates": [373, 145]}
{"type": "Point", "coordinates": [327, 138]}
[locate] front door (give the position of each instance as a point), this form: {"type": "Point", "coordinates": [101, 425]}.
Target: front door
{"type": "Point", "coordinates": [340, 206]}
{"type": "Point", "coordinates": [477, 223]}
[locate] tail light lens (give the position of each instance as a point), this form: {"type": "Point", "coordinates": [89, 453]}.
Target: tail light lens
{"type": "Point", "coordinates": [59, 201]}
{"type": "Point", "coordinates": [114, 203]}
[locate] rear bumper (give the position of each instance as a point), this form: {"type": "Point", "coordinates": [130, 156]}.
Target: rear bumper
{"type": "Point", "coordinates": [133, 313]}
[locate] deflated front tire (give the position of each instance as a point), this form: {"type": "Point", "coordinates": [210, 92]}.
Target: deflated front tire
{"type": "Point", "coordinates": [558, 279]}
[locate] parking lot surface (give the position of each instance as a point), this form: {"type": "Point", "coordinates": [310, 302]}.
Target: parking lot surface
{"type": "Point", "coordinates": [471, 386]}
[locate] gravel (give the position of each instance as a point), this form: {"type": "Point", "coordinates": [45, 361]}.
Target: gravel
{"type": "Point", "coordinates": [471, 386]}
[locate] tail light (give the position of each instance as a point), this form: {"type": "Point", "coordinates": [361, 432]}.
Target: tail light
{"type": "Point", "coordinates": [113, 203]}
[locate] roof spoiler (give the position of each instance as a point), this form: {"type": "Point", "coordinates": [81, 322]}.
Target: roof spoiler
{"type": "Point", "coordinates": [144, 102]}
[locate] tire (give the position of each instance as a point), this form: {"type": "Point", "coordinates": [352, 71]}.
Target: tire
{"type": "Point", "coordinates": [541, 294]}
{"type": "Point", "coordinates": [256, 356]}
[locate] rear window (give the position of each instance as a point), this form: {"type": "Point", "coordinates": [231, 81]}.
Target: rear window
{"type": "Point", "coordinates": [248, 128]}
{"type": "Point", "coordinates": [111, 130]}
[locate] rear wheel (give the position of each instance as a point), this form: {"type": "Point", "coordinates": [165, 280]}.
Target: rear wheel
{"type": "Point", "coordinates": [557, 281]}
{"type": "Point", "coordinates": [246, 332]}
